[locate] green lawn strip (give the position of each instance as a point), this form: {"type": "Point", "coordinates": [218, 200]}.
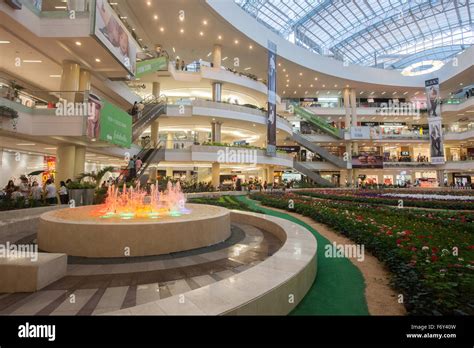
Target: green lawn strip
{"type": "Point", "coordinates": [339, 286]}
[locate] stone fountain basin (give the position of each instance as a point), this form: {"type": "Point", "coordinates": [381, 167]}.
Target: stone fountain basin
{"type": "Point", "coordinates": [78, 232]}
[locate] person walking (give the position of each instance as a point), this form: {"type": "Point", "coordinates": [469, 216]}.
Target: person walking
{"type": "Point", "coordinates": [63, 193]}
{"type": "Point", "coordinates": [50, 192]}
{"type": "Point", "coordinates": [131, 168]}
{"type": "Point", "coordinates": [138, 165]}
{"type": "Point", "coordinates": [36, 192]}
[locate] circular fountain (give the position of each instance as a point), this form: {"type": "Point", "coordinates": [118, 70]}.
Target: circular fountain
{"type": "Point", "coordinates": [134, 222]}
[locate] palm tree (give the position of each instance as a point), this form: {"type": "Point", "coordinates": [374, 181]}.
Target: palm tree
{"type": "Point", "coordinates": [97, 177]}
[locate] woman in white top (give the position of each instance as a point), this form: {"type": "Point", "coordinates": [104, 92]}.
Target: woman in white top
{"type": "Point", "coordinates": [63, 193]}
{"type": "Point", "coordinates": [50, 192]}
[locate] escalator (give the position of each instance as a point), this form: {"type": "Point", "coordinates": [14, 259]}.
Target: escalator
{"type": "Point", "coordinates": [148, 155]}
{"type": "Point", "coordinates": [152, 155]}
{"type": "Point", "coordinates": [154, 108]}
{"type": "Point", "coordinates": [317, 122]}
{"type": "Point", "coordinates": [318, 179]}
{"type": "Point", "coordinates": [305, 142]}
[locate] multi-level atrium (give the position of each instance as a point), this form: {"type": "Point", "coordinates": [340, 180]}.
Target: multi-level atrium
{"type": "Point", "coordinates": [244, 157]}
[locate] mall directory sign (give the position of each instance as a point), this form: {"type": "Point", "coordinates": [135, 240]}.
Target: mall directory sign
{"type": "Point", "coordinates": [271, 110]}
{"type": "Point", "coordinates": [115, 125]}
{"type": "Point", "coordinates": [435, 121]}
{"type": "Point", "coordinates": [109, 30]}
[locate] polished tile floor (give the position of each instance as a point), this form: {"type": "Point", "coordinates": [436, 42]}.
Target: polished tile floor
{"type": "Point", "coordinates": [96, 286]}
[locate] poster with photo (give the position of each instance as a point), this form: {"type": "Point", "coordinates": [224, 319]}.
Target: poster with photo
{"type": "Point", "coordinates": [113, 34]}
{"type": "Point", "coordinates": [435, 121]}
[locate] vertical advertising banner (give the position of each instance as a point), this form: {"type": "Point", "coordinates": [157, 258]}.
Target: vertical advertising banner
{"type": "Point", "coordinates": [435, 121]}
{"type": "Point", "coordinates": [271, 113]}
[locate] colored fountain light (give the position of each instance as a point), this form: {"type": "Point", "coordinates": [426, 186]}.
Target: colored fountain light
{"type": "Point", "coordinates": [132, 203]}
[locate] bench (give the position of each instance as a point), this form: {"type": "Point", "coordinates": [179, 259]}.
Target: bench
{"type": "Point", "coordinates": [21, 274]}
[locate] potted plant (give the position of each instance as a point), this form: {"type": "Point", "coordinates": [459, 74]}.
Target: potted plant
{"type": "Point", "coordinates": [76, 191]}
{"type": "Point", "coordinates": [88, 193]}
{"type": "Point", "coordinates": [90, 187]}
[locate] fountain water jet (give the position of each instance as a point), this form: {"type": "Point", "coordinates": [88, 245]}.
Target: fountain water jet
{"type": "Point", "coordinates": [133, 203]}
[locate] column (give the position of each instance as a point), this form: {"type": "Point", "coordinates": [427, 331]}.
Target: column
{"type": "Point", "coordinates": [217, 55]}
{"type": "Point", "coordinates": [350, 175]}
{"type": "Point", "coordinates": [156, 89]}
{"type": "Point", "coordinates": [70, 80]}
{"type": "Point", "coordinates": [155, 138]}
{"type": "Point", "coordinates": [343, 178]}
{"type": "Point", "coordinates": [169, 172]}
{"type": "Point", "coordinates": [216, 167]}
{"type": "Point", "coordinates": [450, 179]}
{"type": "Point", "coordinates": [347, 108]}
{"type": "Point", "coordinates": [169, 140]}
{"type": "Point", "coordinates": [354, 107]}
{"type": "Point", "coordinates": [217, 92]}
{"type": "Point", "coordinates": [79, 160]}
{"type": "Point", "coordinates": [65, 162]}
{"type": "Point", "coordinates": [270, 172]}
{"type": "Point", "coordinates": [153, 175]}
{"type": "Point", "coordinates": [440, 177]}
{"type": "Point", "coordinates": [84, 80]}
{"type": "Point", "coordinates": [216, 133]}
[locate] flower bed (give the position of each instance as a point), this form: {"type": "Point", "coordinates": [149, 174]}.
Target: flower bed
{"type": "Point", "coordinates": [378, 198]}
{"type": "Point", "coordinates": [430, 254]}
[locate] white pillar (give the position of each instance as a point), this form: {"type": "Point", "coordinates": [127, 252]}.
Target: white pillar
{"type": "Point", "coordinates": [354, 107]}
{"type": "Point", "coordinates": [217, 56]}
{"type": "Point", "coordinates": [347, 108]}
{"type": "Point", "coordinates": [216, 167]}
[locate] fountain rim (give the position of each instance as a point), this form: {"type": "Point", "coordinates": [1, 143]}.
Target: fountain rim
{"type": "Point", "coordinates": [186, 218]}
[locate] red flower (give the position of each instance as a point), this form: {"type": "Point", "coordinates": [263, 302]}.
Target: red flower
{"type": "Point", "coordinates": [434, 258]}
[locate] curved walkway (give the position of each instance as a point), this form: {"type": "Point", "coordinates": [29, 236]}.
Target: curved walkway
{"type": "Point", "coordinates": [339, 288]}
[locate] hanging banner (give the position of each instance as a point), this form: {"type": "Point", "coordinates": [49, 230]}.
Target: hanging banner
{"type": "Point", "coordinates": [151, 65]}
{"type": "Point", "coordinates": [435, 121]}
{"type": "Point", "coordinates": [271, 113]}
{"type": "Point", "coordinates": [109, 30]}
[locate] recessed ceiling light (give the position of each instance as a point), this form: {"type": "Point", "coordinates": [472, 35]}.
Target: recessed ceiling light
{"type": "Point", "coordinates": [287, 85]}
{"type": "Point", "coordinates": [394, 93]}
{"type": "Point", "coordinates": [248, 68]}
{"type": "Point", "coordinates": [78, 43]}
{"type": "Point", "coordinates": [4, 42]}
{"type": "Point", "coordinates": [155, 17]}
{"type": "Point", "coordinates": [98, 60]}
{"type": "Point", "coordinates": [279, 64]}
{"type": "Point", "coordinates": [32, 61]}
{"type": "Point", "coordinates": [201, 33]}
{"type": "Point", "coordinates": [26, 144]}
{"type": "Point", "coordinates": [311, 85]}
{"type": "Point", "coordinates": [60, 7]}
{"type": "Point", "coordinates": [362, 92]}
{"type": "Point", "coordinates": [225, 58]}
{"type": "Point", "coordinates": [301, 74]}
{"type": "Point", "coordinates": [383, 93]}
{"type": "Point", "coordinates": [294, 92]}
{"type": "Point", "coordinates": [55, 76]}
{"type": "Point", "coordinates": [209, 54]}
{"type": "Point", "coordinates": [162, 29]}
{"type": "Point", "coordinates": [284, 70]}
{"type": "Point", "coordinates": [405, 93]}
{"type": "Point", "coordinates": [236, 41]}
{"type": "Point", "coordinates": [335, 86]}
{"type": "Point", "coordinates": [250, 46]}
{"type": "Point", "coordinates": [181, 30]}
{"type": "Point", "coordinates": [220, 37]}
{"type": "Point", "coordinates": [148, 3]}
{"type": "Point", "coordinates": [174, 50]}
{"type": "Point", "coordinates": [324, 86]}
{"type": "Point", "coordinates": [204, 22]}
{"type": "Point", "coordinates": [299, 85]}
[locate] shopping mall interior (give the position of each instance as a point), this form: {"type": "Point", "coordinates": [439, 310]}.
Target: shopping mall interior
{"type": "Point", "coordinates": [236, 157]}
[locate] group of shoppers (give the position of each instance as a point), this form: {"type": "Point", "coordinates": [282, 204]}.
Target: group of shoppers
{"type": "Point", "coordinates": [136, 110]}
{"type": "Point", "coordinates": [179, 65]}
{"type": "Point", "coordinates": [34, 192]}
{"type": "Point", "coordinates": [133, 167]}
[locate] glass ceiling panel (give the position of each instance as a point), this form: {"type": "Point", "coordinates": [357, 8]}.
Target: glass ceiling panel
{"type": "Point", "coordinates": [360, 31]}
